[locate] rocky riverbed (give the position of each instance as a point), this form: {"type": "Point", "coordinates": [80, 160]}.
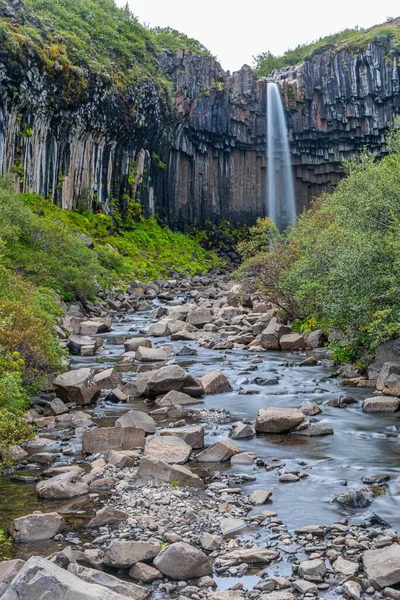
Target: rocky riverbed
{"type": "Point", "coordinates": [199, 448]}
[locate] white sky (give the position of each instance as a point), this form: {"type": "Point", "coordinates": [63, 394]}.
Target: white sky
{"type": "Point", "coordinates": [236, 31]}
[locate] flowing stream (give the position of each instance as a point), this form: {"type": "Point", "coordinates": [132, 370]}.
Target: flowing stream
{"type": "Point", "coordinates": [362, 445]}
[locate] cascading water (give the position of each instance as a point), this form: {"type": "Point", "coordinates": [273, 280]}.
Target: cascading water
{"type": "Point", "coordinates": [281, 198]}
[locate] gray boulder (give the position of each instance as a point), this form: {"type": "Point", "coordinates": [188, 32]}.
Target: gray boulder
{"type": "Point", "coordinates": [170, 449]}
{"type": "Point", "coordinates": [135, 343]}
{"type": "Point", "coordinates": [199, 317]}
{"type": "Point", "coordinates": [215, 382]}
{"type": "Point", "coordinates": [107, 516]}
{"type": "Point", "coordinates": [125, 588]}
{"type": "Point", "coordinates": [170, 378]}
{"type": "Point", "coordinates": [381, 404]}
{"type": "Point", "coordinates": [221, 451]}
{"type": "Point", "coordinates": [272, 334]}
{"type": "Point", "coordinates": [182, 561]}
{"type": "Point", "coordinates": [62, 487]}
{"type": "Point", "coordinates": [192, 435]}
{"type": "Point", "coordinates": [138, 419]}
{"type": "Point", "coordinates": [144, 573]}
{"type": "Point", "coordinates": [174, 398]}
{"type": "Point", "coordinates": [77, 386]}
{"type": "Point", "coordinates": [36, 527]}
{"type": "Point", "coordinates": [123, 554]}
{"type": "Point", "coordinates": [105, 439]}
{"type": "Point", "coordinates": [382, 566]}
{"type": "Point", "coordinates": [278, 420]}
{"type": "Point", "coordinates": [8, 570]}
{"type": "Point", "coordinates": [153, 469]}
{"type": "Point", "coordinates": [108, 379]}
{"type": "Point", "coordinates": [292, 341]}
{"type": "Point", "coordinates": [389, 379]}
{"type": "Point", "coordinates": [312, 570]}
{"type": "Point", "coordinates": [144, 354]}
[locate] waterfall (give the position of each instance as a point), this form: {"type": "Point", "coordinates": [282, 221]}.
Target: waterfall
{"type": "Point", "coordinates": [281, 201]}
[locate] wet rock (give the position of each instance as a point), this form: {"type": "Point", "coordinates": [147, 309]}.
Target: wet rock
{"type": "Point", "coordinates": [342, 401]}
{"type": "Point", "coordinates": [312, 570]}
{"type": "Point", "coordinates": [292, 341]}
{"type": "Point", "coordinates": [352, 590]}
{"type": "Point", "coordinates": [345, 567]}
{"type": "Point", "coordinates": [135, 343]}
{"type": "Point", "coordinates": [36, 527]}
{"type": "Point", "coordinates": [62, 487]}
{"type": "Point", "coordinates": [145, 573]}
{"type": "Point", "coordinates": [159, 329]}
{"type": "Point", "coordinates": [250, 556]}
{"type": "Point", "coordinates": [144, 354]}
{"type": "Point", "coordinates": [108, 379]}
{"type": "Point", "coordinates": [210, 541]}
{"type": "Point", "coordinates": [138, 419]}
{"type": "Point", "coordinates": [174, 398]}
{"type": "Point", "coordinates": [278, 420]}
{"type": "Point", "coordinates": [215, 382]}
{"type": "Point", "coordinates": [230, 524]}
{"type": "Point", "coordinates": [55, 407]}
{"type": "Point", "coordinates": [381, 404]}
{"type": "Point", "coordinates": [94, 327]}
{"type": "Point", "coordinates": [288, 478]}
{"type": "Point", "coordinates": [122, 588]}
{"type": "Point", "coordinates": [151, 469]}
{"type": "Point", "coordinates": [83, 345]}
{"type": "Point", "coordinates": [219, 452]}
{"type": "Point", "coordinates": [170, 449]}
{"type": "Point", "coordinates": [354, 499]}
{"type": "Point", "coordinates": [382, 566]}
{"type": "Point", "coordinates": [242, 431]}
{"type": "Point", "coordinates": [39, 575]}
{"type": "Point", "coordinates": [8, 570]}
{"type": "Point", "coordinates": [186, 351]}
{"type": "Point", "coordinates": [243, 458]}
{"type": "Point", "coordinates": [310, 410]}
{"type": "Point", "coordinates": [170, 412]}
{"type": "Point", "coordinates": [313, 430]}
{"type": "Point", "coordinates": [53, 471]}
{"type": "Point", "coordinates": [199, 317]}
{"type": "Point", "coordinates": [116, 395]}
{"type": "Point", "coordinates": [260, 497]}
{"type": "Point", "coordinates": [181, 561]}
{"type": "Point", "coordinates": [193, 436]}
{"type": "Point", "coordinates": [389, 379]}
{"type": "Point", "coordinates": [105, 439]}
{"type": "Point", "coordinates": [107, 516]}
{"type": "Point", "coordinates": [170, 378]}
{"type": "Point", "coordinates": [124, 554]}
{"type": "Point", "coordinates": [77, 386]}
{"type": "Point", "coordinates": [43, 458]}
{"type": "Point", "coordinates": [305, 587]}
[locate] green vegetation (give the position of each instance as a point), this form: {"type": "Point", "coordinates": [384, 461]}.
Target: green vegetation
{"type": "Point", "coordinates": [352, 40]}
{"type": "Point", "coordinates": [168, 40]}
{"type": "Point", "coordinates": [339, 267]}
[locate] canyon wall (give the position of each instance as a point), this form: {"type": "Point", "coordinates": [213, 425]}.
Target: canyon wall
{"type": "Point", "coordinates": [198, 154]}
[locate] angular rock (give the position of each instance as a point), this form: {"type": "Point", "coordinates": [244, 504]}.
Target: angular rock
{"type": "Point", "coordinates": [272, 333]}
{"type": "Point", "coordinates": [77, 386]}
{"type": "Point", "coordinates": [389, 379]}
{"type": "Point", "coordinates": [215, 382]}
{"type": "Point", "coordinates": [62, 487]}
{"type": "Point", "coordinates": [292, 341]}
{"type": "Point", "coordinates": [316, 339]}
{"type": "Point", "coordinates": [382, 566]}
{"type": "Point", "coordinates": [36, 527]}
{"type": "Point", "coordinates": [83, 345]}
{"type": "Point", "coordinates": [159, 329]}
{"type": "Point", "coordinates": [122, 459]}
{"type": "Point", "coordinates": [242, 431]}
{"type": "Point", "coordinates": [381, 404]}
{"type": "Point", "coordinates": [55, 407]}
{"type": "Point", "coordinates": [93, 327]}
{"type": "Point", "coordinates": [124, 589]}
{"type": "Point", "coordinates": [199, 317]}
{"type": "Point", "coordinates": [279, 595]}
{"type": "Point", "coordinates": [221, 451]}
{"type": "Point", "coordinates": [278, 420]}
{"type": "Point", "coordinates": [170, 378]}
{"type": "Point", "coordinates": [105, 439]}
{"type": "Point", "coordinates": [138, 419]}
{"type": "Point", "coordinates": [354, 499]}
{"type": "Point", "coordinates": [174, 398]}
{"type": "Point", "coordinates": [312, 570]}
{"type": "Point", "coordinates": [313, 430]}
{"type": "Point", "coordinates": [260, 497]}
{"type": "Point", "coordinates": [192, 435]}
{"type": "Point", "coordinates": [345, 567]}
{"type": "Point", "coordinates": [210, 541]}
{"type": "Point", "coordinates": [251, 556]}
{"type": "Point", "coordinates": [170, 449]}
{"type": "Point", "coordinates": [151, 469]}
{"type": "Point", "coordinates": [123, 554]}
{"type": "Point", "coordinates": [107, 516]}
{"type": "Point", "coordinates": [305, 587]}
{"type": "Point", "coordinates": [8, 570]}
{"type": "Point", "coordinates": [135, 343]}
{"type": "Point", "coordinates": [144, 354]}
{"type": "Point", "coordinates": [181, 562]}
{"type": "Point", "coordinates": [144, 573]}
{"type": "Point", "coordinates": [230, 524]}
{"type": "Point", "coordinates": [108, 379]}
{"type": "Point", "coordinates": [243, 458]}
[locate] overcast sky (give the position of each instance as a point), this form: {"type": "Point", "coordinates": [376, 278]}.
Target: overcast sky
{"type": "Point", "coordinates": [236, 31]}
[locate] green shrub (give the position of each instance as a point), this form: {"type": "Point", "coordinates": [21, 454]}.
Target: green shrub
{"type": "Point", "coordinates": [260, 237]}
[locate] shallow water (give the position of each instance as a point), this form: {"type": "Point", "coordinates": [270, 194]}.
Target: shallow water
{"type": "Point", "coordinates": [362, 445]}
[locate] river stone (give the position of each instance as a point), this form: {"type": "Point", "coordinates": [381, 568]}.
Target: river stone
{"type": "Point", "coordinates": [352, 590]}
{"type": "Point", "coordinates": [278, 420]}
{"type": "Point", "coordinates": [227, 595]}
{"type": "Point", "coordinates": [116, 395]}
{"type": "Point", "coordinates": [219, 452]}
{"type": "Point", "coordinates": [174, 398]}
{"type": "Point", "coordinates": [312, 570]}
{"type": "Point", "coordinates": [345, 567]}
{"type": "Point", "coordinates": [192, 435]}
{"type": "Point", "coordinates": [62, 487]}
{"type": "Point", "coordinates": [260, 497]}
{"type": "Point", "coordinates": [210, 541]}
{"type": "Point", "coordinates": [170, 449]}
{"type": "Point", "coordinates": [76, 386]}
{"type": "Point", "coordinates": [151, 469]}
{"type": "Point", "coordinates": [123, 588]}
{"type": "Point", "coordinates": [108, 379]}
{"type": "Point", "coordinates": [107, 516]}
{"type": "Point", "coordinates": [215, 382]}
{"type": "Point", "coordinates": [144, 573]}
{"type": "Point", "coordinates": [8, 570]}
{"type": "Point", "coordinates": [122, 458]}
{"type": "Point", "coordinates": [53, 471]}
{"type": "Point", "coordinates": [36, 527]}
{"type": "Point", "coordinates": [40, 577]}
{"type": "Point", "coordinates": [55, 407]}
{"type": "Point", "coordinates": [159, 329]}
{"type": "Point", "coordinates": [144, 354]}
{"type": "Point", "coordinates": [182, 561]}
{"type": "Point", "coordinates": [83, 345]}
{"type": "Point", "coordinates": [292, 341]}
{"type": "Point", "coordinates": [279, 595]}
{"type": "Point", "coordinates": [354, 499]}
{"type": "Point", "coordinates": [389, 379]}
{"type": "Point", "coordinates": [315, 339]}
{"type": "Point", "coordinates": [93, 327]}
{"type": "Point", "coordinates": [105, 439]}
{"type": "Point", "coordinates": [272, 333]}
{"type": "Point", "coordinates": [230, 524]}
{"type": "Point", "coordinates": [313, 430]}
{"type": "Point", "coordinates": [135, 343]}
{"type": "Point", "coordinates": [382, 566]}
{"type": "Point", "coordinates": [199, 317]}
{"type": "Point", "coordinates": [138, 419]}
{"type": "Point", "coordinates": [123, 554]}
{"type": "Point", "coordinates": [305, 587]}
{"type": "Point", "coordinates": [170, 378]}
{"type": "Point", "coordinates": [381, 404]}
{"type": "Point", "coordinates": [242, 431]}
{"type": "Point", "coordinates": [250, 556]}
{"type": "Point", "coordinates": [170, 412]}
{"type": "Point", "coordinates": [243, 458]}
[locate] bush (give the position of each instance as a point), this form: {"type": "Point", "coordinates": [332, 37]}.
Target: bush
{"type": "Point", "coordinates": [260, 237]}
{"type": "Point", "coordinates": [14, 429]}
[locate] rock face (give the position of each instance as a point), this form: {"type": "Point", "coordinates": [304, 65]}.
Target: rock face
{"type": "Point", "coordinates": [181, 561]}
{"type": "Point", "coordinates": [278, 420]}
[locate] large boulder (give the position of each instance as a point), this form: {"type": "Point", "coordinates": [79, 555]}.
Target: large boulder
{"type": "Point", "coordinates": [182, 561]}
{"type": "Point", "coordinates": [312, 570]}
{"type": "Point", "coordinates": [215, 382]}
{"type": "Point", "coordinates": [272, 334]}
{"type": "Point", "coordinates": [221, 451]}
{"type": "Point", "coordinates": [153, 469]}
{"type": "Point", "coordinates": [250, 556]}
{"type": "Point", "coordinates": [36, 527]}
{"type": "Point", "coordinates": [316, 339]}
{"type": "Point", "coordinates": [135, 343]}
{"type": "Point", "coordinates": [108, 379]}
{"type": "Point", "coordinates": [382, 566]}
{"type": "Point", "coordinates": [144, 354]}
{"type": "Point", "coordinates": [292, 341]}
{"type": "Point", "coordinates": [388, 352]}
{"type": "Point", "coordinates": [8, 570]}
{"type": "Point", "coordinates": [62, 487]}
{"type": "Point", "coordinates": [170, 378]}
{"type": "Point", "coordinates": [125, 553]}
{"type": "Point", "coordinates": [107, 516]}
{"type": "Point", "coordinates": [95, 327]}
{"type": "Point", "coordinates": [199, 317]}
{"type": "Point", "coordinates": [389, 379]}
{"type": "Point", "coordinates": [278, 420]}
{"type": "Point", "coordinates": [40, 578]}
{"type": "Point", "coordinates": [105, 439]}
{"type": "Point", "coordinates": [170, 449]}
{"type": "Point", "coordinates": [192, 435]}
{"type": "Point", "coordinates": [83, 345]}
{"type": "Point", "coordinates": [174, 398]}
{"type": "Point", "coordinates": [97, 577]}
{"type": "Point", "coordinates": [381, 404]}
{"type": "Point", "coordinates": [77, 386]}
{"type": "Point", "coordinates": [138, 419]}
